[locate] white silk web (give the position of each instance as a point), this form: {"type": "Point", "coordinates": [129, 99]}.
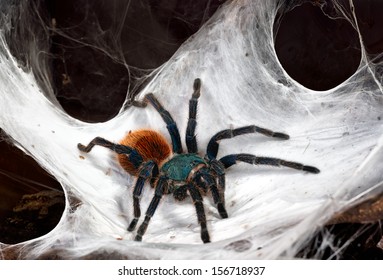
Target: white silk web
{"type": "Point", "coordinates": [272, 211]}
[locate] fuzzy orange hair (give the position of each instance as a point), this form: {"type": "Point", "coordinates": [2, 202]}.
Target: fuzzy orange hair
{"type": "Point", "coordinates": [150, 144]}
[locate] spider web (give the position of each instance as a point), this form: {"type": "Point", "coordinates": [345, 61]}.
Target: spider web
{"type": "Point", "coordinates": [272, 211]}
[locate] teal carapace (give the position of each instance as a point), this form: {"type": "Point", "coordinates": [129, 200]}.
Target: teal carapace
{"type": "Point", "coordinates": [179, 167]}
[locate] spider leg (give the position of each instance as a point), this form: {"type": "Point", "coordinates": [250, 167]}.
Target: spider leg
{"type": "Point", "coordinates": [191, 141]}
{"type": "Point", "coordinates": [217, 197]}
{"type": "Point", "coordinates": [213, 145]}
{"type": "Point", "coordinates": [219, 170]}
{"type": "Point", "coordinates": [170, 123]}
{"type": "Point", "coordinates": [197, 200]}
{"type": "Point", "coordinates": [206, 181]}
{"type": "Point", "coordinates": [229, 160]}
{"type": "Point", "coordinates": [133, 155]}
{"type": "Point", "coordinates": [159, 191]}
{"type": "Point", "coordinates": [147, 170]}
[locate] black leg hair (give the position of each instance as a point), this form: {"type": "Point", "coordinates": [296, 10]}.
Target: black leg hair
{"type": "Point", "coordinates": [158, 193]}
{"type": "Point", "coordinates": [197, 200]}
{"type": "Point", "coordinates": [252, 159]}
{"type": "Point", "coordinates": [191, 141]}
{"type": "Point", "coordinates": [134, 157]}
{"type": "Point", "coordinates": [170, 123]}
{"type": "Point", "coordinates": [147, 170]}
{"type": "Point", "coordinates": [213, 145]}
{"type": "Point", "coordinates": [206, 181]}
{"type": "Point", "coordinates": [218, 170]}
{"type": "Point", "coordinates": [217, 197]}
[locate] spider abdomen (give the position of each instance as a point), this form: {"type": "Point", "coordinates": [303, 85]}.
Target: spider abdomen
{"type": "Point", "coordinates": [150, 144]}
{"type": "Point", "coordinates": [179, 167]}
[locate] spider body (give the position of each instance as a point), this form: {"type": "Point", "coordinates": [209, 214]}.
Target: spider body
{"type": "Point", "coordinates": [180, 167]}
{"type": "Point", "coordinates": [146, 155]}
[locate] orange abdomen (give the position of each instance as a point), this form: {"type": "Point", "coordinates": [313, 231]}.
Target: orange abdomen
{"type": "Point", "coordinates": [150, 144]}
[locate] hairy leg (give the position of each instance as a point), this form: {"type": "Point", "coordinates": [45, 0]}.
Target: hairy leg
{"type": "Point", "coordinates": [197, 200]}
{"type": "Point", "coordinates": [191, 141]}
{"type": "Point", "coordinates": [134, 157]}
{"type": "Point", "coordinates": [158, 193]}
{"type": "Point", "coordinates": [147, 170]}
{"type": "Point", "coordinates": [229, 160]}
{"type": "Point", "coordinates": [213, 145]}
{"type": "Point", "coordinates": [218, 169]}
{"type": "Point", "coordinates": [170, 123]}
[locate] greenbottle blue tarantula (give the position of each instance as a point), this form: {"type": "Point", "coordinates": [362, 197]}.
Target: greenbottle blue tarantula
{"type": "Point", "coordinates": [147, 155]}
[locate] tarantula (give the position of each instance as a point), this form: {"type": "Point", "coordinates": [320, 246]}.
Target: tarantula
{"type": "Point", "coordinates": [147, 155]}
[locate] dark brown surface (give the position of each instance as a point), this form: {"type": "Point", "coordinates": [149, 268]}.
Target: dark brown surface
{"type": "Point", "coordinates": [21, 178]}
{"type": "Point", "coordinates": [319, 49]}
{"type": "Point", "coordinates": [108, 47]}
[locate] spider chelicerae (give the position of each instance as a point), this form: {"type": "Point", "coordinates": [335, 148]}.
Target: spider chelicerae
{"type": "Point", "coordinates": [147, 155]}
